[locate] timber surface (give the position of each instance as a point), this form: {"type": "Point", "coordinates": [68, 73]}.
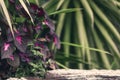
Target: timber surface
{"type": "Point", "coordinates": [76, 74]}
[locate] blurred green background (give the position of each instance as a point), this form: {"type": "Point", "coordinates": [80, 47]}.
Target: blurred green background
{"type": "Point", "coordinates": [89, 31]}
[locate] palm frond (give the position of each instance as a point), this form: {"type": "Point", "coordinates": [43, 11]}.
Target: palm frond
{"type": "Point", "coordinates": [96, 25]}
{"type": "Point", "coordinates": [26, 9]}
{"type": "Point", "coordinates": [6, 14]}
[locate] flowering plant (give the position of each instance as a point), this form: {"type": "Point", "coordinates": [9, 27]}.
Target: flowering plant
{"type": "Point", "coordinates": [26, 50]}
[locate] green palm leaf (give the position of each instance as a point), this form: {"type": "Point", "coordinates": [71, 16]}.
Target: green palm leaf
{"type": "Point", "coordinates": [6, 14]}
{"type": "Point", "coordinates": [96, 26]}
{"type": "Point", "coordinates": [26, 9]}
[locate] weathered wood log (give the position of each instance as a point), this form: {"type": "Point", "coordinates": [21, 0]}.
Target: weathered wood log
{"type": "Point", "coordinates": [75, 74]}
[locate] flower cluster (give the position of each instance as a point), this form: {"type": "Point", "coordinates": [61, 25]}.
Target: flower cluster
{"type": "Point", "coordinates": [31, 40]}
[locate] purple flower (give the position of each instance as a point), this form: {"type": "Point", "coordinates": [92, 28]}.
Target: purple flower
{"type": "Point", "coordinates": [19, 39]}
{"type": "Point", "coordinates": [14, 60]}
{"type": "Point", "coordinates": [12, 57]}
{"type": "Point", "coordinates": [6, 46]}
{"type": "Point", "coordinates": [56, 41]}
{"type": "Point", "coordinates": [38, 44]}
{"type": "Point", "coordinates": [7, 50]}
{"type": "Point", "coordinates": [24, 57]}
{"type": "Point", "coordinates": [18, 7]}
{"type": "Point", "coordinates": [38, 27]}
{"type": "Point", "coordinates": [48, 37]}
{"type": "Point", "coordinates": [12, 1]}
{"type": "Point", "coordinates": [21, 43]}
{"type": "Point", "coordinates": [34, 6]}
{"type": "Point", "coordinates": [21, 12]}
{"type": "Point", "coordinates": [24, 29]}
{"type": "Point", "coordinates": [53, 37]}
{"type": "Point", "coordinates": [41, 12]}
{"type": "Point", "coordinates": [39, 35]}
{"type": "Point", "coordinates": [50, 24]}
{"type": "Point", "coordinates": [9, 36]}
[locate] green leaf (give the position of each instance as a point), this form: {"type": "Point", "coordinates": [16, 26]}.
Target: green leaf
{"type": "Point", "coordinates": [89, 12]}
{"type": "Point", "coordinates": [107, 37]}
{"type": "Point", "coordinates": [105, 19]}
{"type": "Point", "coordinates": [65, 11]}
{"type": "Point", "coordinates": [77, 45]}
{"type": "Point", "coordinates": [61, 19]}
{"type": "Point", "coordinates": [61, 65]}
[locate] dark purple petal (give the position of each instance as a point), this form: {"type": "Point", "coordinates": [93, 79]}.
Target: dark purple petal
{"type": "Point", "coordinates": [41, 12]}
{"type": "Point", "coordinates": [56, 41]}
{"type": "Point", "coordinates": [11, 57]}
{"type": "Point", "coordinates": [47, 54]}
{"type": "Point", "coordinates": [53, 37]}
{"type": "Point", "coordinates": [50, 24]}
{"type": "Point", "coordinates": [15, 62]}
{"type": "Point", "coordinates": [21, 43]}
{"type": "Point", "coordinates": [24, 29]}
{"type": "Point", "coordinates": [7, 50]}
{"type": "Point", "coordinates": [38, 27]}
{"type": "Point", "coordinates": [12, 1]}
{"type": "Point", "coordinates": [18, 7]}
{"type": "Point", "coordinates": [20, 10]}
{"type": "Point", "coordinates": [38, 44]}
{"type": "Point", "coordinates": [9, 35]}
{"type": "Point", "coordinates": [24, 57]}
{"type": "Point", "coordinates": [34, 6]}
{"type": "Point", "coordinates": [19, 39]}
{"type": "Point", "coordinates": [6, 46]}
{"type": "Point", "coordinates": [49, 37]}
